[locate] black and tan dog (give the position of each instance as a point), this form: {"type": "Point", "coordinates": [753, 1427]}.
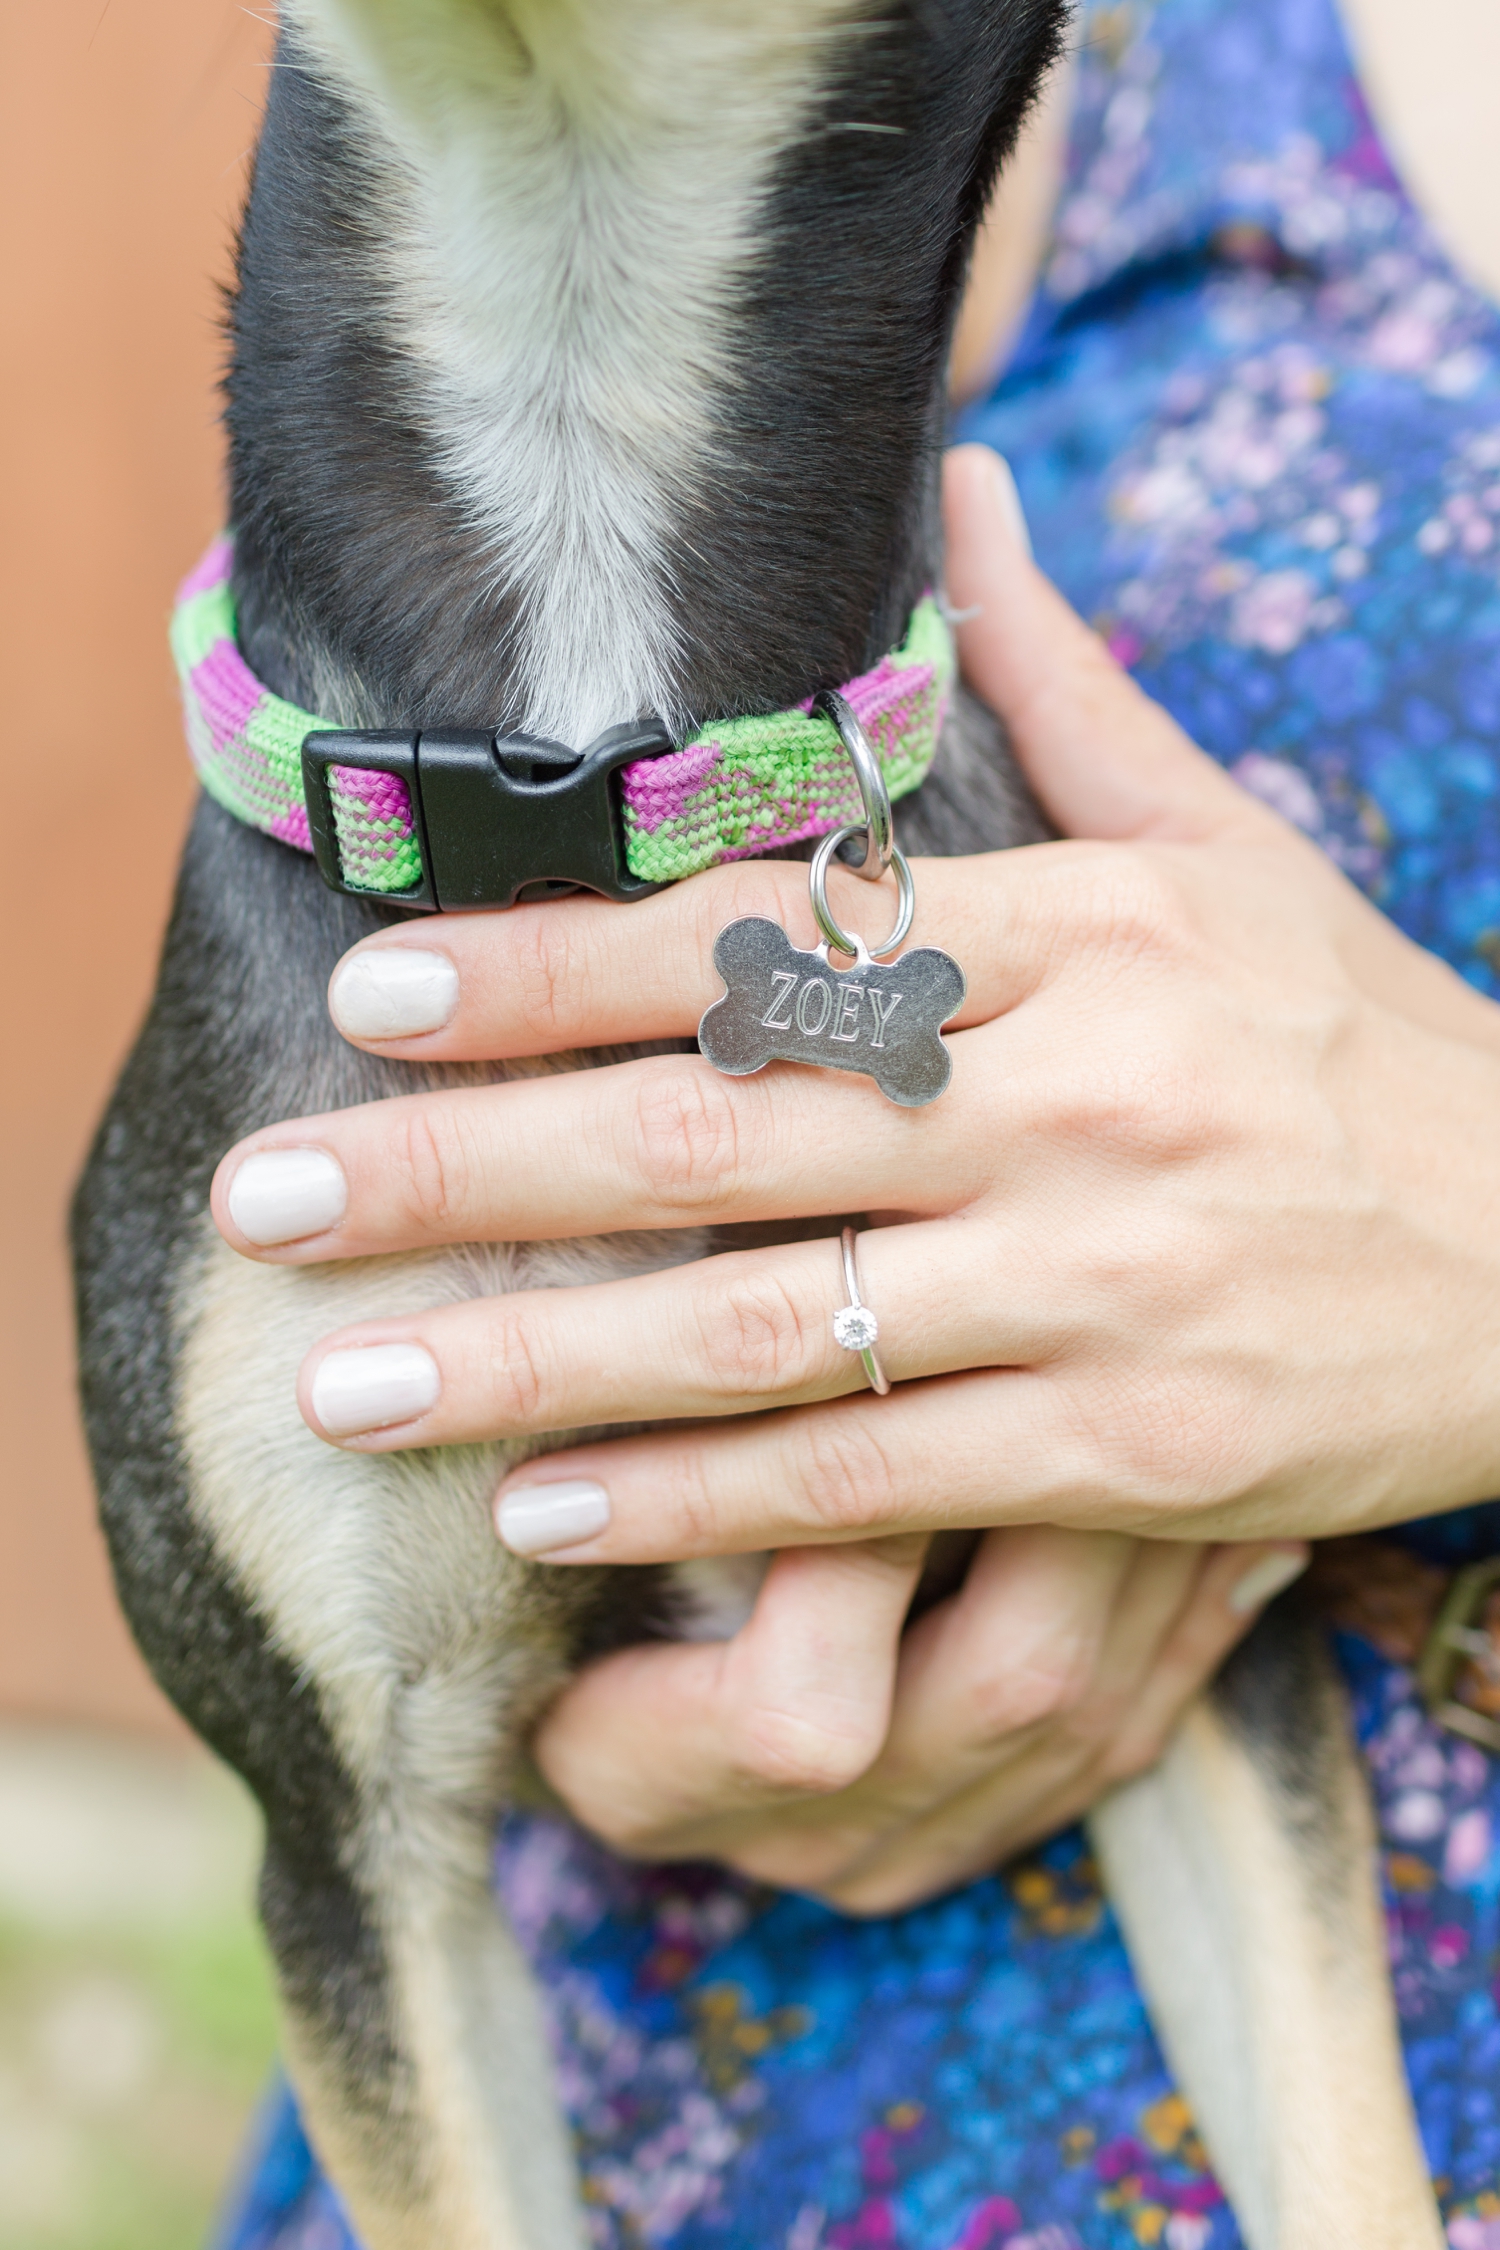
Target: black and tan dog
{"type": "Point", "coordinates": [588, 361]}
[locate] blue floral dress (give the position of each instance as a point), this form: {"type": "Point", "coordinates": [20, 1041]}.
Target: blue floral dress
{"type": "Point", "coordinates": [1255, 419]}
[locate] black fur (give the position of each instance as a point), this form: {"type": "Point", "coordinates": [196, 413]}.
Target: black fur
{"type": "Point", "coordinates": [1280, 1694]}
{"type": "Point", "coordinates": [800, 565]}
{"type": "Point", "coordinates": [236, 1025]}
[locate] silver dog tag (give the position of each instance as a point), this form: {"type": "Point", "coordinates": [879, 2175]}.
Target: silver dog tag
{"type": "Point", "coordinates": [882, 1018]}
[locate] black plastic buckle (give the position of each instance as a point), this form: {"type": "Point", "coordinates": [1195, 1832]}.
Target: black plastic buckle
{"type": "Point", "coordinates": [496, 815]}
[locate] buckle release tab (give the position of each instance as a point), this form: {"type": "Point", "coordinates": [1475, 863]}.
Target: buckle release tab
{"type": "Point", "coordinates": [494, 815]}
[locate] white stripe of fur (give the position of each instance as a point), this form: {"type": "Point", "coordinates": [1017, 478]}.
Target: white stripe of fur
{"type": "Point", "coordinates": [572, 195]}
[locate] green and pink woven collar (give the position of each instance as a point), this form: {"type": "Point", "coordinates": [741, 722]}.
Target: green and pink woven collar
{"type": "Point", "coordinates": [738, 788]}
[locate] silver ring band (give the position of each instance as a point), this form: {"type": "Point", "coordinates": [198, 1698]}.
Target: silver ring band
{"type": "Point", "coordinates": [874, 796]}
{"type": "Point", "coordinates": [855, 1328]}
{"type": "Point", "coordinates": [817, 881]}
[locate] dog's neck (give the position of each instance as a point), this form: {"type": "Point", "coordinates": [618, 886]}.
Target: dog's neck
{"type": "Point", "coordinates": [588, 354]}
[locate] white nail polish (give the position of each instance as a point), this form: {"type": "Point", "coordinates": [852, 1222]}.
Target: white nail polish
{"type": "Point", "coordinates": [393, 992]}
{"type": "Point", "coordinates": [373, 1386]}
{"type": "Point", "coordinates": [533, 1519]}
{"type": "Point", "coordinates": [1271, 1575]}
{"type": "Point", "coordinates": [282, 1194]}
{"type": "Point", "coordinates": [1010, 502]}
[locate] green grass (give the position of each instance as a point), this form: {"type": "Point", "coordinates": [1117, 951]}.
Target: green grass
{"type": "Point", "coordinates": [130, 2062]}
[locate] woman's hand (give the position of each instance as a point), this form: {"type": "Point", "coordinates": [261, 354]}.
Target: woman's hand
{"type": "Point", "coordinates": [1202, 1242]}
{"type": "Point", "coordinates": [823, 1750]}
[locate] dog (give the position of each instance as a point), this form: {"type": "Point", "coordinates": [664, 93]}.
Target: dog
{"type": "Point", "coordinates": [588, 362]}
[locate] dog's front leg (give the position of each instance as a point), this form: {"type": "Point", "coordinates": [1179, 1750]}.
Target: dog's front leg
{"type": "Point", "coordinates": [416, 2045]}
{"type": "Point", "coordinates": [1243, 1872]}
{"type": "Point", "coordinates": [413, 2030]}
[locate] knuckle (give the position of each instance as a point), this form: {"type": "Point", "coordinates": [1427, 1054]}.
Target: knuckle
{"type": "Point", "coordinates": [437, 1164]}
{"type": "Point", "coordinates": [760, 1336]}
{"type": "Point", "coordinates": [849, 1479]}
{"type": "Point", "coordinates": [1143, 1085]}
{"type": "Point", "coordinates": [514, 1373]}
{"type": "Point", "coordinates": [686, 1133]}
{"type": "Point", "coordinates": [1147, 1098]}
{"type": "Point", "coordinates": [792, 1754]}
{"type": "Point", "coordinates": [1133, 906]}
{"type": "Point", "coordinates": [547, 974]}
{"type": "Point", "coordinates": [688, 1502]}
{"type": "Point", "coordinates": [1096, 1725]}
{"type": "Point", "coordinates": [1130, 1755]}
{"type": "Point", "coordinates": [1038, 1692]}
{"type": "Point", "coordinates": [747, 888]}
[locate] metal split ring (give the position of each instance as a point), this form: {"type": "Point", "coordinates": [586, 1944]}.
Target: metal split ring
{"type": "Point", "coordinates": [906, 908]}
{"type": "Point", "coordinates": [869, 773]}
{"type": "Point", "coordinates": [855, 1328]}
{"type": "Point", "coordinates": [881, 850]}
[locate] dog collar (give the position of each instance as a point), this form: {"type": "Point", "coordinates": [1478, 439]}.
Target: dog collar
{"type": "Point", "coordinates": [449, 819]}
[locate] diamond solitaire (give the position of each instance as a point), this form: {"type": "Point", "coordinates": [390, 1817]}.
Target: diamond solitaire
{"type": "Point", "coordinates": [855, 1327]}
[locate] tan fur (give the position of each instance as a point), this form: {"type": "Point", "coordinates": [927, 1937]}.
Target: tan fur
{"type": "Point", "coordinates": [1259, 1942]}
{"type": "Point", "coordinates": [382, 1579]}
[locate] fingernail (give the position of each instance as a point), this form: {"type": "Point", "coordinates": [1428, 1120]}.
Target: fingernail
{"type": "Point", "coordinates": [373, 1386]}
{"type": "Point", "coordinates": [534, 1519]}
{"type": "Point", "coordinates": [283, 1194]}
{"type": "Point", "coordinates": [1010, 503]}
{"type": "Point", "coordinates": [1269, 1576]}
{"type": "Point", "coordinates": [393, 992]}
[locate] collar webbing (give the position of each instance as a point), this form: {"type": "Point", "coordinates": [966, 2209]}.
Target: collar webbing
{"type": "Point", "coordinates": [740, 787]}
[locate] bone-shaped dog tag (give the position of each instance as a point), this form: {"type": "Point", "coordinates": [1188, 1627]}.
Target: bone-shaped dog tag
{"type": "Point", "coordinates": [879, 1017]}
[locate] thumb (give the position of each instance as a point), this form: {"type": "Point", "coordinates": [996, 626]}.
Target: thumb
{"type": "Point", "coordinates": [1103, 758]}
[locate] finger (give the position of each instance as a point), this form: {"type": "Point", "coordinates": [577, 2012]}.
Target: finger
{"type": "Point", "coordinates": [1004, 1445]}
{"type": "Point", "coordinates": [579, 972]}
{"type": "Point", "coordinates": [666, 1142]}
{"type": "Point", "coordinates": [1161, 1582]}
{"type": "Point", "coordinates": [751, 1329]}
{"type": "Point", "coordinates": [1105, 760]}
{"type": "Point", "coordinates": [981, 1676]}
{"type": "Point", "coordinates": [796, 1705]}
{"type": "Point", "coordinates": [1234, 1586]}
{"type": "Point", "coordinates": [1178, 1614]}
{"type": "Point", "coordinates": [1015, 1646]}
{"type": "Point", "coordinates": [1001, 1446]}
{"type": "Point", "coordinates": [540, 979]}
{"type": "Point", "coordinates": [989, 1687]}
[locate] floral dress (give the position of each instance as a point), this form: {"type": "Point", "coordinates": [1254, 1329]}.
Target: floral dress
{"type": "Point", "coordinates": [1255, 420]}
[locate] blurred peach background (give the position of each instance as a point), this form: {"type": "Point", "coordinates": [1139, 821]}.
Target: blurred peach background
{"type": "Point", "coordinates": [125, 126]}
{"type": "Point", "coordinates": [136, 2020]}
